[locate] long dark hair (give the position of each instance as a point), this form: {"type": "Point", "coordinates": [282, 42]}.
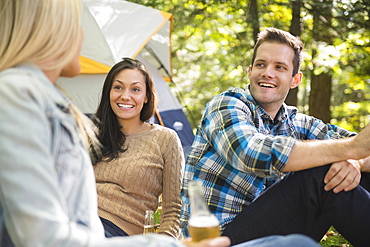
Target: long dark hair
{"type": "Point", "coordinates": [109, 133]}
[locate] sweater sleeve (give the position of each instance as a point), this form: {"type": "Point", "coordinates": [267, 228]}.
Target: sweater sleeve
{"type": "Point", "coordinates": [172, 177]}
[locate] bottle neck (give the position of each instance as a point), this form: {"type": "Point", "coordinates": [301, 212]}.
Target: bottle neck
{"type": "Point", "coordinates": [197, 203]}
{"type": "Point", "coordinates": [200, 215]}
{"type": "Point", "coordinates": [149, 217]}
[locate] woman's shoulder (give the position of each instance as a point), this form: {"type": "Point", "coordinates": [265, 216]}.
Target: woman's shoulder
{"type": "Point", "coordinates": [166, 138]}
{"type": "Point", "coordinates": [163, 129]}
{"type": "Point", "coordinates": [163, 132]}
{"type": "Point", "coordinates": [27, 80]}
{"type": "Point", "coordinates": [19, 77]}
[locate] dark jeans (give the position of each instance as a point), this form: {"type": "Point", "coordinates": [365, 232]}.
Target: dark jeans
{"type": "Point", "coordinates": [299, 204]}
{"type": "Point", "coordinates": [111, 230]}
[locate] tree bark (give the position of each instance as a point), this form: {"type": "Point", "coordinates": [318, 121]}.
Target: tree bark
{"type": "Point", "coordinates": [295, 29]}
{"type": "Point", "coordinates": [319, 99]}
{"type": "Point", "coordinates": [253, 18]}
{"type": "Point", "coordinates": [320, 94]}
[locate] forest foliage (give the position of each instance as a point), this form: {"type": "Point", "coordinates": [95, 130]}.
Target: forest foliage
{"type": "Point", "coordinates": [212, 44]}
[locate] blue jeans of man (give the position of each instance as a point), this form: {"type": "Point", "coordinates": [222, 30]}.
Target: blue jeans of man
{"type": "Point", "coordinates": [292, 240]}
{"type": "Point", "coordinates": [299, 204]}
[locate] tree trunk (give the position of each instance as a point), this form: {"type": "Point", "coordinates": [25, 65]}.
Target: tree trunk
{"type": "Point", "coordinates": [319, 99]}
{"type": "Point", "coordinates": [253, 18]}
{"type": "Point", "coordinates": [295, 29]}
{"type": "Point", "coordinates": [320, 94]}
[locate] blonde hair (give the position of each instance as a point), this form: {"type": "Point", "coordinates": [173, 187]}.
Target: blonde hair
{"type": "Point", "coordinates": [88, 132]}
{"type": "Point", "coordinates": [45, 32]}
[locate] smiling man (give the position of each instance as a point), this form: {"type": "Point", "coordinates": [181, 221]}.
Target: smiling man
{"type": "Point", "coordinates": [267, 169]}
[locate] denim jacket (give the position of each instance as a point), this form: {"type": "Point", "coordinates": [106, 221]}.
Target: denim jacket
{"type": "Point", "coordinates": [47, 185]}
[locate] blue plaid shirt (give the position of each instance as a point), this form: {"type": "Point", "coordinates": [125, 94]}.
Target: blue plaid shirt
{"type": "Point", "coordinates": [239, 151]}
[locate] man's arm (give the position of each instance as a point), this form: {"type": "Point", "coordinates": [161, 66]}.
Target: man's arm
{"type": "Point", "coordinates": [309, 154]}
{"type": "Point", "coordinates": [314, 153]}
{"type": "Point", "coordinates": [348, 157]}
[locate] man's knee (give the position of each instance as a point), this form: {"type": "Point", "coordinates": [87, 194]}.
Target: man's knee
{"type": "Point", "coordinates": [309, 177]}
{"type": "Point", "coordinates": [296, 240]}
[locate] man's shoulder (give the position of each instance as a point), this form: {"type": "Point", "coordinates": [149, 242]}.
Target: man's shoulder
{"type": "Point", "coordinates": [232, 94]}
{"type": "Point", "coordinates": [234, 99]}
{"type": "Point", "coordinates": [236, 92]}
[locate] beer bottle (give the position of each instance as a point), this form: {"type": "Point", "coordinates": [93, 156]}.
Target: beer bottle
{"type": "Point", "coordinates": [202, 223]}
{"type": "Point", "coordinates": [149, 222]}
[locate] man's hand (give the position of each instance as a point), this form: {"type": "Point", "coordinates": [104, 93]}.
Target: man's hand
{"type": "Point", "coordinates": [343, 176]}
{"type": "Point", "coordinates": [211, 242]}
{"type": "Point", "coordinates": [365, 164]}
{"type": "Point", "coordinates": [361, 143]}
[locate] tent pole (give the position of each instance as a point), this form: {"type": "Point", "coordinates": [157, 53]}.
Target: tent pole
{"type": "Point", "coordinates": [152, 52]}
{"type": "Point", "coordinates": [159, 117]}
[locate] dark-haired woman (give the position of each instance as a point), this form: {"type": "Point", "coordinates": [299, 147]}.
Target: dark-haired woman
{"type": "Point", "coordinates": [141, 160]}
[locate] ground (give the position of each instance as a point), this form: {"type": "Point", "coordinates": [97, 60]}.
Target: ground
{"type": "Point", "coordinates": [334, 239]}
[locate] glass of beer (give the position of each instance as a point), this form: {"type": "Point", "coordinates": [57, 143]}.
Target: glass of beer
{"type": "Point", "coordinates": [149, 222]}
{"type": "Point", "coordinates": [202, 227]}
{"type": "Point", "coordinates": [148, 229]}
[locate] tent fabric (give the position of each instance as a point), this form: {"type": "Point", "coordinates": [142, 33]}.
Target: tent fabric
{"type": "Point", "coordinates": [84, 90]}
{"type": "Point", "coordinates": [93, 67]}
{"type": "Point", "coordinates": [176, 120]}
{"type": "Point", "coordinates": [114, 29]}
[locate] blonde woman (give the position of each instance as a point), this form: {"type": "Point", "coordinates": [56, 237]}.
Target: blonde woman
{"type": "Point", "coordinates": [47, 186]}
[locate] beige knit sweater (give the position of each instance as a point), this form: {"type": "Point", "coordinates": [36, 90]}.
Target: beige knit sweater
{"type": "Point", "coordinates": [127, 186]}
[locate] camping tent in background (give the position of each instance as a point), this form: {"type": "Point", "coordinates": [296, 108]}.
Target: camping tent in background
{"type": "Point", "coordinates": [114, 29]}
